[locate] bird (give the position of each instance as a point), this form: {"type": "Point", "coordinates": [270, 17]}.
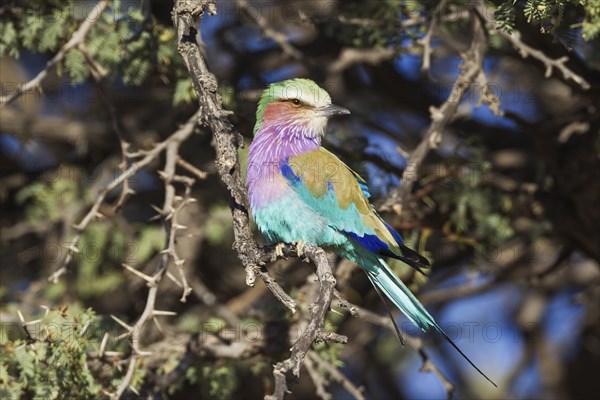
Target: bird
{"type": "Point", "coordinates": [301, 193]}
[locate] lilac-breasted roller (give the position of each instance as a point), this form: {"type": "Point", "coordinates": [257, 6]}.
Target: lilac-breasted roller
{"type": "Point", "coordinates": [300, 192]}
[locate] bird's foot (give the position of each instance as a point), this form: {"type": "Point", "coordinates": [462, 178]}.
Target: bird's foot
{"type": "Point", "coordinates": [300, 247]}
{"type": "Point", "coordinates": [279, 250]}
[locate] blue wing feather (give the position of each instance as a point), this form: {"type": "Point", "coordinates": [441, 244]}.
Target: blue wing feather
{"type": "Point", "coordinates": [394, 233]}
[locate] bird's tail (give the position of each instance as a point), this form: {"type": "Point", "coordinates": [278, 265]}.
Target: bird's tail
{"type": "Point", "coordinates": [392, 287]}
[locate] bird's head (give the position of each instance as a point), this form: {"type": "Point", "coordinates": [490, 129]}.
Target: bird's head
{"type": "Point", "coordinates": [296, 103]}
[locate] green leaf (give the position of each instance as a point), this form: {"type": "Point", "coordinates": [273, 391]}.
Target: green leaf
{"type": "Point", "coordinates": [9, 45]}
{"type": "Point", "coordinates": [184, 92]}
{"type": "Point", "coordinates": [76, 66]}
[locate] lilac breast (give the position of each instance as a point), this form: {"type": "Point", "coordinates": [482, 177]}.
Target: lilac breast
{"type": "Point", "coordinates": [272, 145]}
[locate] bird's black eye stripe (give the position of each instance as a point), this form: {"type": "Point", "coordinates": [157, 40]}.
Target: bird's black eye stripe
{"type": "Point", "coordinates": [296, 102]}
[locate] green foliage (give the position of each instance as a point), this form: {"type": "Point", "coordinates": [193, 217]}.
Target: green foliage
{"type": "Point", "coordinates": [218, 224]}
{"type": "Point", "coordinates": [43, 26]}
{"type": "Point", "coordinates": [218, 382]}
{"type": "Point", "coordinates": [477, 211]}
{"type": "Point", "coordinates": [184, 92]}
{"type": "Point", "coordinates": [549, 15]}
{"type": "Point", "coordinates": [381, 29]}
{"type": "Point", "coordinates": [130, 46]}
{"type": "Point", "coordinates": [149, 241]}
{"type": "Point", "coordinates": [330, 352]}
{"type": "Point", "coordinates": [52, 362]}
{"type": "Point", "coordinates": [48, 201]}
{"type": "Point", "coordinates": [505, 16]}
{"type": "Point", "coordinates": [591, 23]}
{"type": "Point", "coordinates": [543, 11]}
{"type": "Point", "coordinates": [8, 40]}
{"type": "Point", "coordinates": [121, 45]}
{"type": "Point", "coordinates": [76, 65]}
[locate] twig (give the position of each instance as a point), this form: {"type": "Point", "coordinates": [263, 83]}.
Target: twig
{"type": "Point", "coordinates": [126, 190]}
{"type": "Point", "coordinates": [559, 63]}
{"type": "Point", "coordinates": [98, 72]}
{"type": "Point", "coordinates": [350, 56]}
{"type": "Point", "coordinates": [441, 117]}
{"type": "Point", "coordinates": [77, 39]}
{"type": "Point", "coordinates": [319, 380]}
{"type": "Point", "coordinates": [575, 127]}
{"type": "Point", "coordinates": [425, 41]}
{"type": "Point", "coordinates": [336, 375]}
{"type": "Point", "coordinates": [278, 37]}
{"type": "Point", "coordinates": [315, 329]}
{"type": "Point", "coordinates": [192, 169]}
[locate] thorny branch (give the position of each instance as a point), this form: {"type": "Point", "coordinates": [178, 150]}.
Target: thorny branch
{"type": "Point", "coordinates": [77, 40]}
{"type": "Point", "coordinates": [148, 156]}
{"type": "Point", "coordinates": [172, 205]}
{"type": "Point", "coordinates": [170, 209]}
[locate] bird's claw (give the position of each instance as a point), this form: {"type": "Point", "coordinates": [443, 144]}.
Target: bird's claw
{"type": "Point", "coordinates": [300, 247]}
{"type": "Point", "coordinates": [279, 250]}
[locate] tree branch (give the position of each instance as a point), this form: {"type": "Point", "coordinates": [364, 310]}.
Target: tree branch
{"type": "Point", "coordinates": [315, 329]}
{"type": "Point", "coordinates": [77, 39]}
{"type": "Point", "coordinates": [559, 63]}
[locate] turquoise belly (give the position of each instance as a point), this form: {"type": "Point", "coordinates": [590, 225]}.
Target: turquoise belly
{"type": "Point", "coordinates": [289, 220]}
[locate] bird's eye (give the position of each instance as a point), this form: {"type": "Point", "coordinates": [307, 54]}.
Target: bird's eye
{"type": "Point", "coordinates": [296, 102]}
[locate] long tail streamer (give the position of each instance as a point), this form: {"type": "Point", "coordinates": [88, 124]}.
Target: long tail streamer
{"type": "Point", "coordinates": [386, 282]}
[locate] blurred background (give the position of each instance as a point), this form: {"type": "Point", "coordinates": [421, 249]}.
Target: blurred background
{"type": "Point", "coordinates": [507, 206]}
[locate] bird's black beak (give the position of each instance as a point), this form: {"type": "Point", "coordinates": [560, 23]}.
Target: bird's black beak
{"type": "Point", "coordinates": [332, 109]}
